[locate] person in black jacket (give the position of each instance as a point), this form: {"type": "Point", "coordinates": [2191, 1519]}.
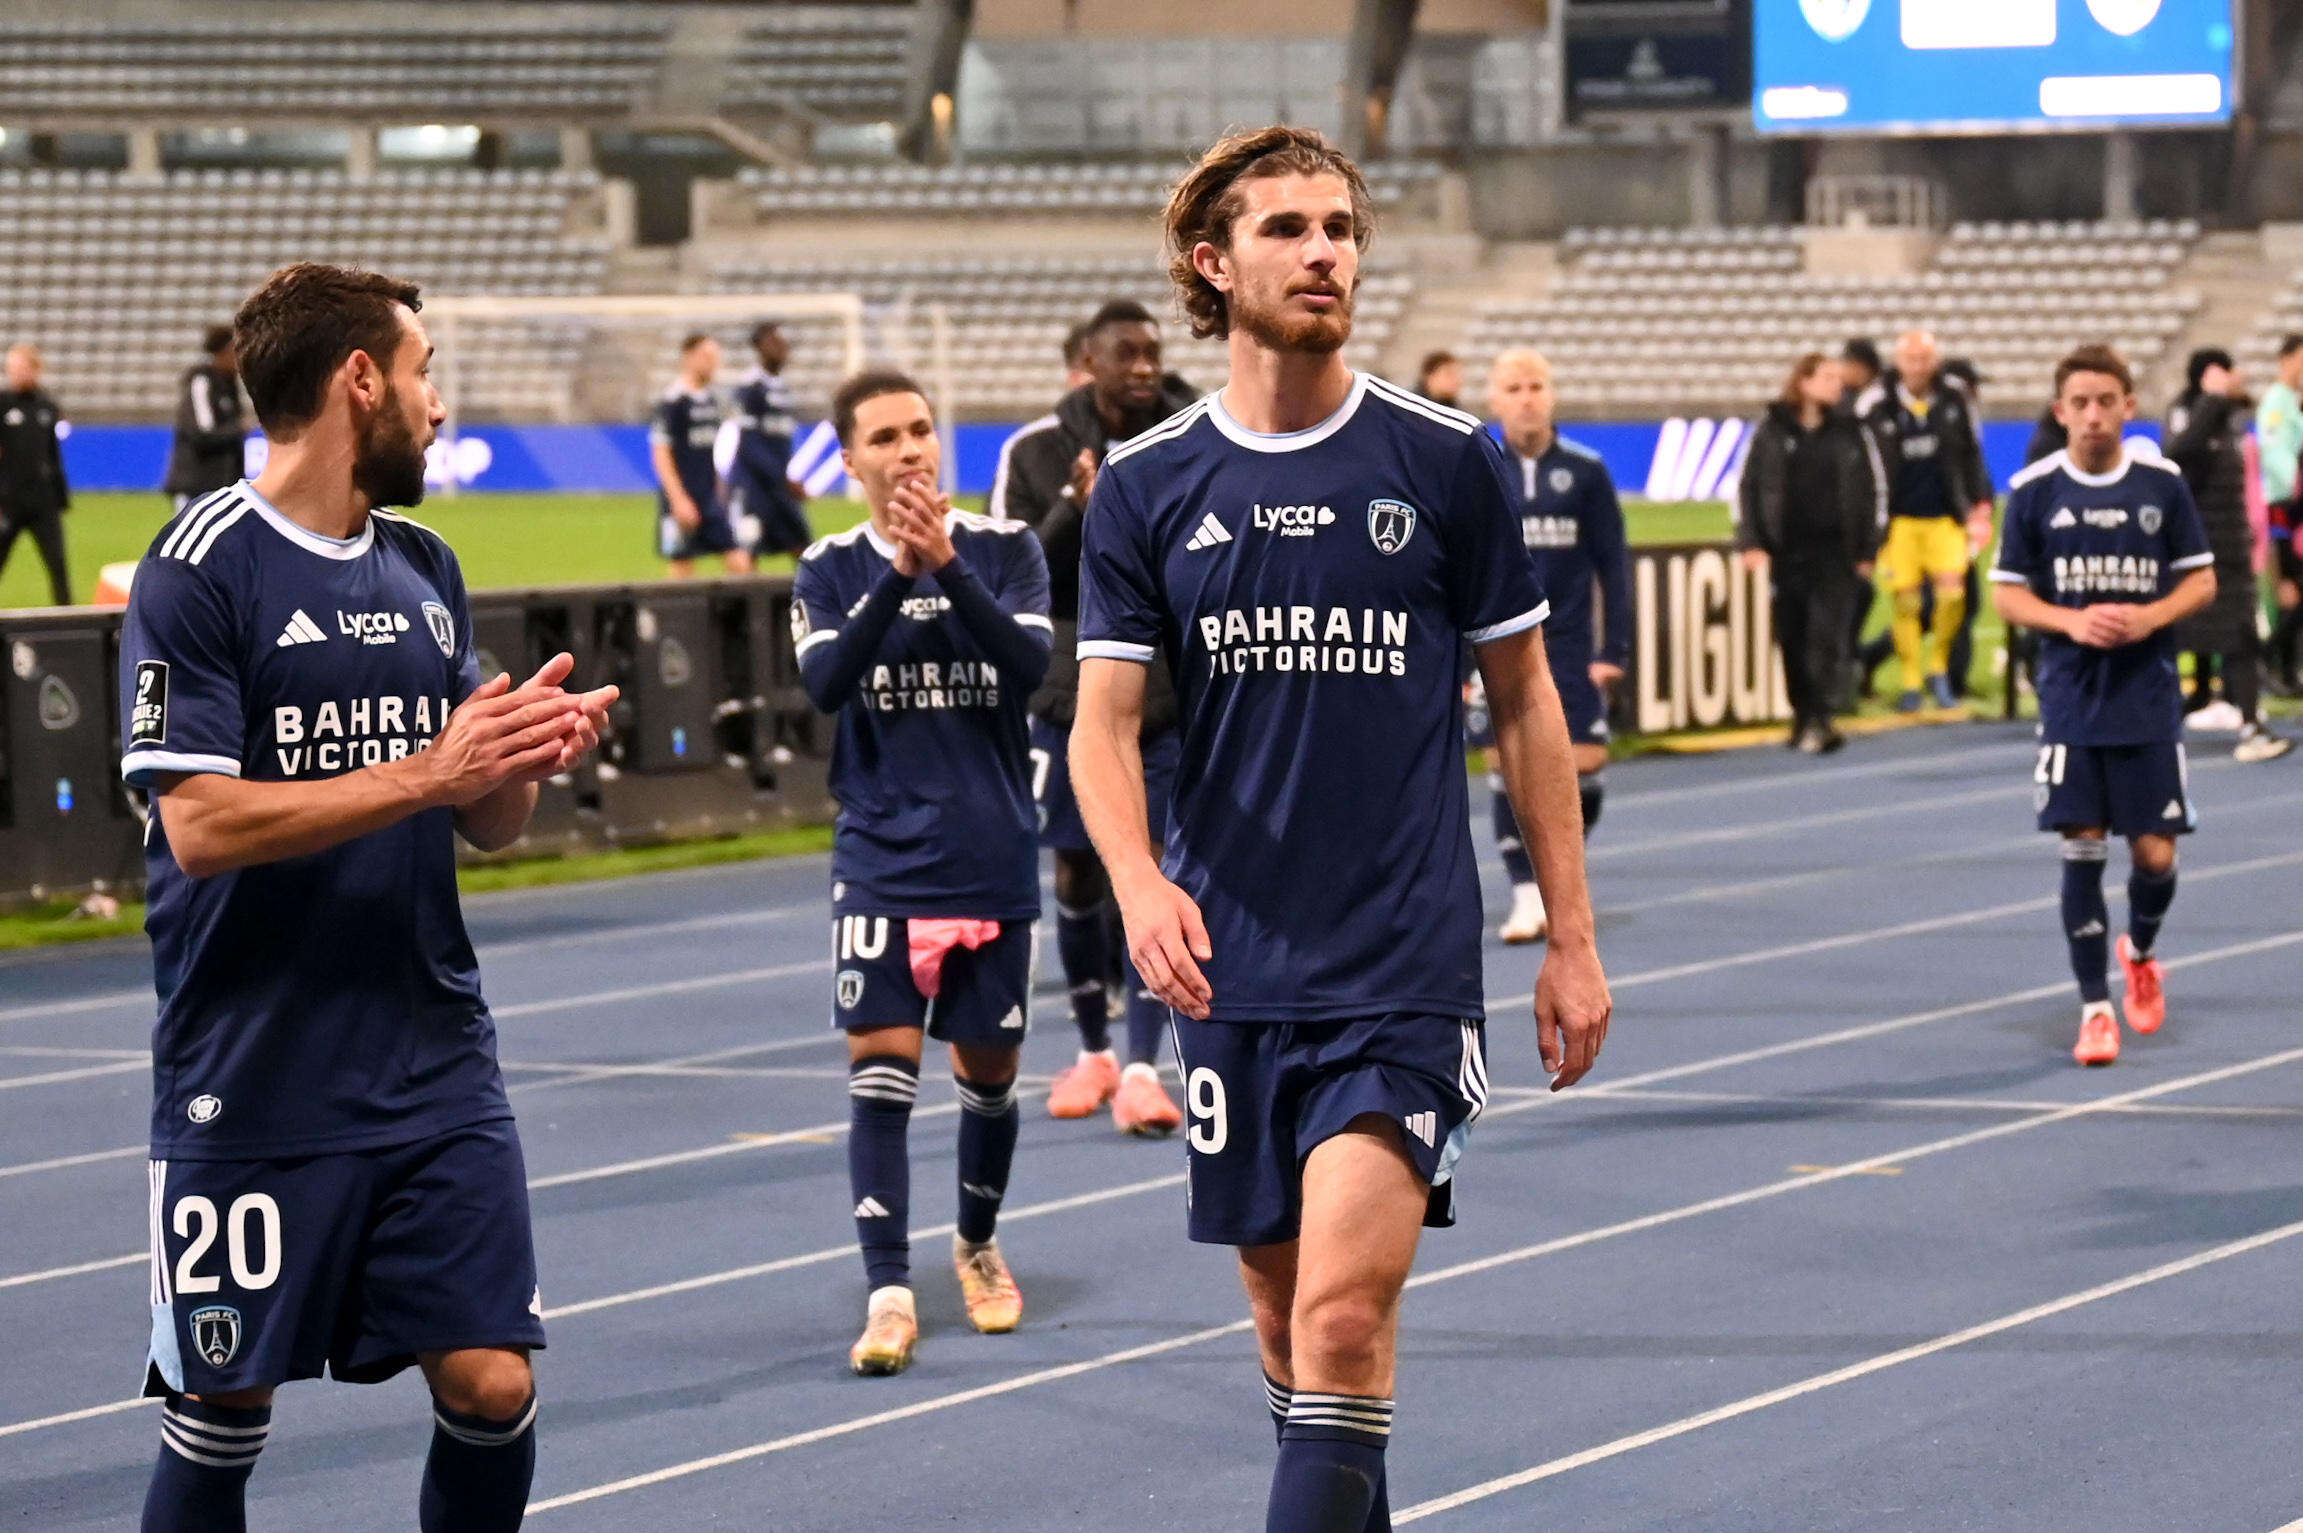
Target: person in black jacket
{"type": "Point", "coordinates": [1046, 471]}
{"type": "Point", "coordinates": [1812, 507]}
{"type": "Point", "coordinates": [2205, 429]}
{"type": "Point", "coordinates": [33, 493]}
{"type": "Point", "coordinates": [211, 423]}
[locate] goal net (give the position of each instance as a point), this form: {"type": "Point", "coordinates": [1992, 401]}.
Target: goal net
{"type": "Point", "coordinates": [602, 359]}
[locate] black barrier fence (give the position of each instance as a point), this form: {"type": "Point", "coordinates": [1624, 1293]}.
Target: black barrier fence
{"type": "Point", "coordinates": [712, 735]}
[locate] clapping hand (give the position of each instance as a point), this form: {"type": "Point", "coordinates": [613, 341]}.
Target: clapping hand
{"type": "Point", "coordinates": [916, 513]}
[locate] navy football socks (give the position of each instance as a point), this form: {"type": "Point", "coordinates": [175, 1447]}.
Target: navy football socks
{"type": "Point", "coordinates": [477, 1475]}
{"type": "Point", "coordinates": [1279, 1397]}
{"type": "Point", "coordinates": [1085, 953]}
{"type": "Point", "coordinates": [2086, 920]}
{"type": "Point", "coordinates": [1146, 1016]}
{"type": "Point", "coordinates": [207, 1452]}
{"type": "Point", "coordinates": [988, 1123]}
{"type": "Point", "coordinates": [1330, 1470]}
{"type": "Point", "coordinates": [2148, 896]}
{"type": "Point", "coordinates": [1591, 789]}
{"type": "Point", "coordinates": [881, 1090]}
{"type": "Point", "coordinates": [1516, 864]}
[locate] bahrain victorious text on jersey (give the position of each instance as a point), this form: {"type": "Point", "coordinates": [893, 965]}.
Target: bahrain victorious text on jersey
{"type": "Point", "coordinates": [328, 1002]}
{"type": "Point", "coordinates": [1316, 594]}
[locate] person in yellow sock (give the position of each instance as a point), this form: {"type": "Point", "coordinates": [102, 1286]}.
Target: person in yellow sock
{"type": "Point", "coordinates": [1927, 437]}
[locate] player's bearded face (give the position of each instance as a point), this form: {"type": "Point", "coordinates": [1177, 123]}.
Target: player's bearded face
{"type": "Point", "coordinates": [388, 459]}
{"type": "Point", "coordinates": [1294, 264]}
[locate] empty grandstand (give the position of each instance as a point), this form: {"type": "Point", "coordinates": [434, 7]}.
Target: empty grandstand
{"type": "Point", "coordinates": [1649, 319]}
{"type": "Point", "coordinates": [114, 277]}
{"type": "Point", "coordinates": [202, 66]}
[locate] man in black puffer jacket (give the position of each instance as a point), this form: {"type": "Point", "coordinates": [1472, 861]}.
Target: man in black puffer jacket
{"type": "Point", "coordinates": [1045, 473]}
{"type": "Point", "coordinates": [1812, 506]}
{"type": "Point", "coordinates": [2206, 427]}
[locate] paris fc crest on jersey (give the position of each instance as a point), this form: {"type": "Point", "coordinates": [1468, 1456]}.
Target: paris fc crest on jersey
{"type": "Point", "coordinates": [216, 1333]}
{"type": "Point", "coordinates": [1390, 523]}
{"type": "Point", "coordinates": [443, 627]}
{"type": "Point", "coordinates": [1835, 21]}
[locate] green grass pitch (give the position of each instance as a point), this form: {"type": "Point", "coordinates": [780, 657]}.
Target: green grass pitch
{"type": "Point", "coordinates": [530, 540]}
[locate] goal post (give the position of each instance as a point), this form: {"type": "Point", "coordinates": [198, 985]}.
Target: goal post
{"type": "Point", "coordinates": [524, 360]}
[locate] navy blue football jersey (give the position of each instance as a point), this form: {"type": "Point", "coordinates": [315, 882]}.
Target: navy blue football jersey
{"type": "Point", "coordinates": [929, 676]}
{"type": "Point", "coordinates": [688, 422]}
{"type": "Point", "coordinates": [765, 425]}
{"type": "Point", "coordinates": [1573, 527]}
{"type": "Point", "coordinates": [1315, 594]}
{"type": "Point", "coordinates": [328, 1002]}
{"type": "Point", "coordinates": [2077, 539]}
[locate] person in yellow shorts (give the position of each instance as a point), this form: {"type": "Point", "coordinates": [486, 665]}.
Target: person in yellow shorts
{"type": "Point", "coordinates": [1928, 437]}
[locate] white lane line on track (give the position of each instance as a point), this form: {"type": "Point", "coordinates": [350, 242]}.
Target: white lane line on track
{"type": "Point", "coordinates": [1739, 832]}
{"type": "Point", "coordinates": [106, 1264]}
{"type": "Point", "coordinates": [1449, 1273]}
{"type": "Point", "coordinates": [1924, 1104]}
{"type": "Point", "coordinates": [1502, 1109]}
{"type": "Point", "coordinates": [814, 1133]}
{"type": "Point", "coordinates": [81, 1073]}
{"type": "Point", "coordinates": [52, 1051]}
{"type": "Point", "coordinates": [1679, 840]}
{"type": "Point", "coordinates": [1822, 776]}
{"type": "Point", "coordinates": [1849, 1374]}
{"type": "Point", "coordinates": [68, 1417]}
{"type": "Point", "coordinates": [846, 1250]}
{"type": "Point", "coordinates": [87, 1158]}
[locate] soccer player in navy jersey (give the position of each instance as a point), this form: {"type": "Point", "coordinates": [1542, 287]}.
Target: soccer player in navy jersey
{"type": "Point", "coordinates": [1572, 524]}
{"type": "Point", "coordinates": [2101, 552]}
{"type": "Point", "coordinates": [335, 1179]}
{"type": "Point", "coordinates": [761, 491]}
{"type": "Point", "coordinates": [692, 515]}
{"type": "Point", "coordinates": [925, 630]}
{"type": "Point", "coordinates": [1313, 551]}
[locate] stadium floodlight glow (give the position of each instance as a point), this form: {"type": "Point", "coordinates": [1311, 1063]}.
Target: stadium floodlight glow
{"type": "Point", "coordinates": [472, 333]}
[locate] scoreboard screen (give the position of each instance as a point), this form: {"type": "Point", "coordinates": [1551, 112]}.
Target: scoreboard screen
{"type": "Point", "coordinates": [1971, 66]}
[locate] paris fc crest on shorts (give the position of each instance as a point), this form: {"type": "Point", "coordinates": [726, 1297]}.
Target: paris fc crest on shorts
{"type": "Point", "coordinates": [1390, 523]}
{"type": "Point", "coordinates": [216, 1333]}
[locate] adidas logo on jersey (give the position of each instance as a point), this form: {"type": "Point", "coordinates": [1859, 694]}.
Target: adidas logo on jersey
{"type": "Point", "coordinates": [871, 1208]}
{"type": "Point", "coordinates": [1211, 532]}
{"type": "Point", "coordinates": [1424, 1125]}
{"type": "Point", "coordinates": [300, 630]}
{"type": "Point", "coordinates": [2063, 518]}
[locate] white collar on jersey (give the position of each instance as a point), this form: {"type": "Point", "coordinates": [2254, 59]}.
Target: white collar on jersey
{"type": "Point", "coordinates": [2112, 475]}
{"type": "Point", "coordinates": [880, 545]}
{"type": "Point", "coordinates": [1286, 441]}
{"type": "Point", "coordinates": [303, 537]}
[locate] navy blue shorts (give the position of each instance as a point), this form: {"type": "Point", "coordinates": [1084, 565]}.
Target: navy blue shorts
{"type": "Point", "coordinates": [766, 518]}
{"type": "Point", "coordinates": [983, 995]}
{"type": "Point", "coordinates": [269, 1270]}
{"type": "Point", "coordinates": [1059, 808]}
{"type": "Point", "coordinates": [715, 534]}
{"type": "Point", "coordinates": [2129, 790]}
{"type": "Point", "coordinates": [1580, 699]}
{"type": "Point", "coordinates": [1263, 1095]}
